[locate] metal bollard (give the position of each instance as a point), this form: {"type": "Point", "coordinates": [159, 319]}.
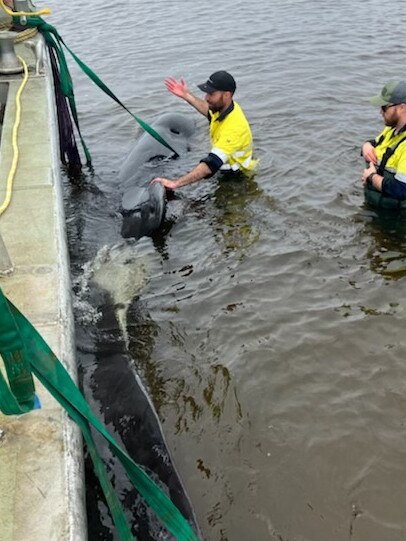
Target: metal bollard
{"type": "Point", "coordinates": [8, 59]}
{"type": "Point", "coordinates": [6, 267]}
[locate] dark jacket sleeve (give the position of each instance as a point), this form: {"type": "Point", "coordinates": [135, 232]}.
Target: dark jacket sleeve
{"type": "Point", "coordinates": [214, 163]}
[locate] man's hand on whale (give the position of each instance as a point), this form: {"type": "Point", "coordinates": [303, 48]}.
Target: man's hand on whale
{"type": "Point", "coordinates": [202, 170]}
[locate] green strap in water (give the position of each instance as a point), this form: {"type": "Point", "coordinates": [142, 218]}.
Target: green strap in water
{"type": "Point", "coordinates": [18, 335]}
{"type": "Point", "coordinates": [53, 38]}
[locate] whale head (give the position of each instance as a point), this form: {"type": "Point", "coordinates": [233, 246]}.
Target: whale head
{"type": "Point", "coordinates": [143, 210]}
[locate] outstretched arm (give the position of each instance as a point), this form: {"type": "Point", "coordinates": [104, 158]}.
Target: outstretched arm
{"type": "Point", "coordinates": [202, 170]}
{"type": "Point", "coordinates": [180, 89]}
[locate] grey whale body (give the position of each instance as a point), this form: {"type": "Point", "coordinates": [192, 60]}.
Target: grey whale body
{"type": "Point", "coordinates": [123, 405]}
{"type": "Point", "coordinates": [117, 392]}
{"type": "Point", "coordinates": [143, 204]}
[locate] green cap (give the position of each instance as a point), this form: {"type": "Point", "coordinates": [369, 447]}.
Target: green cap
{"type": "Point", "coordinates": [394, 92]}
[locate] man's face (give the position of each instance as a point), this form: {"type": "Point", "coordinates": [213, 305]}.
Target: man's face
{"type": "Point", "coordinates": [390, 114]}
{"type": "Point", "coordinates": [217, 100]}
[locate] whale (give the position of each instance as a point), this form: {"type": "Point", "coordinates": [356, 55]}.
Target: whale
{"type": "Point", "coordinates": [143, 204]}
{"type": "Point", "coordinates": [113, 283]}
{"type": "Point", "coordinates": [108, 301]}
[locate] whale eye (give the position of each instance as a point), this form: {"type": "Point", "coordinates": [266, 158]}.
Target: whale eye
{"type": "Point", "coordinates": [176, 132]}
{"type": "Point", "coordinates": [157, 158]}
{"type": "Point", "coordinates": [152, 209]}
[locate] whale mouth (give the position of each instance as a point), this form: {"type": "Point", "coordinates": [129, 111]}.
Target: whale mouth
{"type": "Point", "coordinates": [130, 212]}
{"type": "Point", "coordinates": [140, 210]}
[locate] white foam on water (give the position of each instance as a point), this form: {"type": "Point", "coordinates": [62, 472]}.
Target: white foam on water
{"type": "Point", "coordinates": [124, 270]}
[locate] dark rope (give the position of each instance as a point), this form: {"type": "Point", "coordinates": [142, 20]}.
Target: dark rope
{"type": "Point", "coordinates": [67, 143]}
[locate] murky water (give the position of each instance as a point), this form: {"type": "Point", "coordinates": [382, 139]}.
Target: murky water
{"type": "Point", "coordinates": [270, 332]}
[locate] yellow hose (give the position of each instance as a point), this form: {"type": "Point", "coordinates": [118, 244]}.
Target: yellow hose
{"type": "Point", "coordinates": [13, 168]}
{"type": "Point", "coordinates": [45, 11]}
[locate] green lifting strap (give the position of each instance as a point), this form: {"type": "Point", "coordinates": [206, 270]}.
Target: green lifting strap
{"type": "Point", "coordinates": [17, 334]}
{"type": "Point", "coordinates": [67, 89]}
{"type": "Point", "coordinates": [12, 403]}
{"type": "Point", "coordinates": [52, 37]}
{"type": "Point", "coordinates": [20, 397]}
{"type": "Point", "coordinates": [66, 80]}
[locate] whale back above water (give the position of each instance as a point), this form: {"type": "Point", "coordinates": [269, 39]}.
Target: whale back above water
{"type": "Point", "coordinates": [175, 128]}
{"type": "Point", "coordinates": [143, 204]}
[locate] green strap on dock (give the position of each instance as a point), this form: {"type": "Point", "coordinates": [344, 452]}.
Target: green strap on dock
{"type": "Point", "coordinates": [53, 38]}
{"type": "Point", "coordinates": [24, 351]}
{"type": "Point", "coordinates": [20, 397]}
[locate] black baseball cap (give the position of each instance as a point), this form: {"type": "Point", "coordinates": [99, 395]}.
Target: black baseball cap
{"type": "Point", "coordinates": [219, 80]}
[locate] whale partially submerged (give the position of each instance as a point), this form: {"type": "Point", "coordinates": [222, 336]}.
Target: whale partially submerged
{"type": "Point", "coordinates": [143, 204]}
{"type": "Point", "coordinates": [112, 284]}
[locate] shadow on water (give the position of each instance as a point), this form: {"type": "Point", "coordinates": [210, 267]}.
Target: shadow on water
{"type": "Point", "coordinates": [230, 211]}
{"type": "Point", "coordinates": [213, 383]}
{"type": "Point", "coordinates": [235, 222]}
{"type": "Point", "coordinates": [388, 253]}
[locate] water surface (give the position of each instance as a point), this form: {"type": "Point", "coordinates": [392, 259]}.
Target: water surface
{"type": "Point", "coordinates": [270, 332]}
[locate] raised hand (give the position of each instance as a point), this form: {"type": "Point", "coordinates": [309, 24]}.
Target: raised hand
{"type": "Point", "coordinates": [178, 88]}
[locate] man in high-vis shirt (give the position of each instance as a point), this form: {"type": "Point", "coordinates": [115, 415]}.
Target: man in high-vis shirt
{"type": "Point", "coordinates": [386, 154]}
{"type": "Point", "coordinates": [230, 133]}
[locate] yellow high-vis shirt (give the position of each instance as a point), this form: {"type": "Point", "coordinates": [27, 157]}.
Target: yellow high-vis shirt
{"type": "Point", "coordinates": [231, 139]}
{"type": "Point", "coordinates": [396, 164]}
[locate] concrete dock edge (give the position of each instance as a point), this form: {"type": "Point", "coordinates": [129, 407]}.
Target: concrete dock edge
{"type": "Point", "coordinates": [41, 457]}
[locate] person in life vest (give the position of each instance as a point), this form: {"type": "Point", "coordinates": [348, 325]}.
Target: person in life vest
{"type": "Point", "coordinates": [386, 154]}
{"type": "Point", "coordinates": [230, 133]}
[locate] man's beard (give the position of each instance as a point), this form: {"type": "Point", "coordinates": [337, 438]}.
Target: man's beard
{"type": "Point", "coordinates": [215, 108]}
{"type": "Point", "coordinates": [391, 123]}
